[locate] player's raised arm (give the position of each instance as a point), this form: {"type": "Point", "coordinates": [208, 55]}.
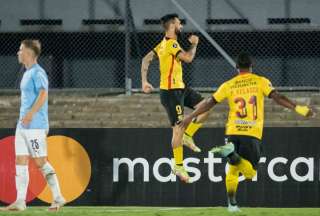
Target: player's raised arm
{"type": "Point", "coordinates": [286, 102]}
{"type": "Point", "coordinates": [147, 59]}
{"type": "Point", "coordinates": [191, 53]}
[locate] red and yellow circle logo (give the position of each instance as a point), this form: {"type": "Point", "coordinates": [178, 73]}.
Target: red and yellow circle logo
{"type": "Point", "coordinates": [69, 159]}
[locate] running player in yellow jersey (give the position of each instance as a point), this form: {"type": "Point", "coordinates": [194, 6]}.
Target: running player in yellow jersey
{"type": "Point", "coordinates": [174, 95]}
{"type": "Point", "coordinates": [245, 94]}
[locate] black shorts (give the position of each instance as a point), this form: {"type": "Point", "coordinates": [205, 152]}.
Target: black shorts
{"type": "Point", "coordinates": [174, 101]}
{"type": "Point", "coordinates": [249, 148]}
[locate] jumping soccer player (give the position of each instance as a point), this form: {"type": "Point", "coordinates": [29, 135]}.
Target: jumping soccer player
{"type": "Point", "coordinates": [174, 95]}
{"type": "Point", "coordinates": [32, 128]}
{"type": "Point", "coordinates": [245, 94]}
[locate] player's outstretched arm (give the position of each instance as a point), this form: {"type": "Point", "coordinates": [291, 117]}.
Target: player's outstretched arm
{"type": "Point", "coordinates": [146, 86]}
{"type": "Point", "coordinates": [191, 53]}
{"type": "Point", "coordinates": [204, 106]}
{"type": "Point", "coordinates": [286, 102]}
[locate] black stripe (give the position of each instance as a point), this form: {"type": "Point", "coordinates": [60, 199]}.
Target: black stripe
{"type": "Point", "coordinates": [214, 100]}
{"type": "Point", "coordinates": [271, 93]}
{"type": "Point", "coordinates": [103, 22]}
{"type": "Point", "coordinates": [302, 20]}
{"type": "Point", "coordinates": [178, 53]}
{"type": "Point", "coordinates": [41, 22]}
{"type": "Point", "coordinates": [158, 21]}
{"type": "Point", "coordinates": [155, 52]}
{"type": "Point", "coordinates": [227, 21]}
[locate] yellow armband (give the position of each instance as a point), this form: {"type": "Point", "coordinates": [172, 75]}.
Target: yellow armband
{"type": "Point", "coordinates": [302, 110]}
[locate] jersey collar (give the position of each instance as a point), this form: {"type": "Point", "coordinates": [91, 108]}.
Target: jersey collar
{"type": "Point", "coordinates": [32, 66]}
{"type": "Point", "coordinates": [244, 73]}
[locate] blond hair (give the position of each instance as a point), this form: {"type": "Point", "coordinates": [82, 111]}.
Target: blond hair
{"type": "Point", "coordinates": [34, 45]}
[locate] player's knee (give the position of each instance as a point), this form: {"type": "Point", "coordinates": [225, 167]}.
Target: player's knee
{"type": "Point", "coordinates": [177, 131]}
{"type": "Point", "coordinates": [47, 169]}
{"type": "Point", "coordinates": [234, 158]}
{"type": "Point", "coordinates": [40, 162]}
{"type": "Point", "coordinates": [22, 160]}
{"type": "Point", "coordinates": [250, 174]}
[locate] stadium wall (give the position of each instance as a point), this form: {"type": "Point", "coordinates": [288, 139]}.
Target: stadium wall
{"type": "Point", "coordinates": [72, 12]}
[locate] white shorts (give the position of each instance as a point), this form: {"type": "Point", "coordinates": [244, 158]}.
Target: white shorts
{"type": "Point", "coordinates": [31, 142]}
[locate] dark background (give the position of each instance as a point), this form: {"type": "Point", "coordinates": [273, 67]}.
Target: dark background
{"type": "Point", "coordinates": [103, 145]}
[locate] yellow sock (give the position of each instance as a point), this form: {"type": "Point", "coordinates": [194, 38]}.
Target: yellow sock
{"type": "Point", "coordinates": [192, 128]}
{"type": "Point", "coordinates": [178, 155]}
{"type": "Point", "coordinates": [232, 179]}
{"type": "Point", "coordinates": [246, 168]}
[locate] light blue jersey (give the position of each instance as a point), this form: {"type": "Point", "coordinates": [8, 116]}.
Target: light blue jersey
{"type": "Point", "coordinates": [33, 80]}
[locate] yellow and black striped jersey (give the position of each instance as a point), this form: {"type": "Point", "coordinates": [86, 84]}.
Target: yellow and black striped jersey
{"type": "Point", "coordinates": [170, 67]}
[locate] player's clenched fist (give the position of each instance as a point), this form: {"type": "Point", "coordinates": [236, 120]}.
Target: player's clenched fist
{"type": "Point", "coordinates": [193, 39]}
{"type": "Point", "coordinates": [147, 87]}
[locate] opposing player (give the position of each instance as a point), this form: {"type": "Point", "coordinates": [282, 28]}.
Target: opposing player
{"type": "Point", "coordinates": [32, 127]}
{"type": "Point", "coordinates": [174, 95]}
{"type": "Point", "coordinates": [245, 94]}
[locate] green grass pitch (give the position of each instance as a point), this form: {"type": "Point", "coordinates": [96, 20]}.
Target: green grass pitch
{"type": "Point", "coordinates": [163, 211]}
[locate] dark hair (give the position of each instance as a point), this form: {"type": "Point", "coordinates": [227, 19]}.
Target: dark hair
{"type": "Point", "coordinates": [168, 18]}
{"type": "Point", "coordinates": [34, 45]}
{"type": "Point", "coordinates": [244, 61]}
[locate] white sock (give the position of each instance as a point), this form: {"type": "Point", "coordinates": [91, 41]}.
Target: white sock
{"type": "Point", "coordinates": [51, 177]}
{"type": "Point", "coordinates": [22, 181]}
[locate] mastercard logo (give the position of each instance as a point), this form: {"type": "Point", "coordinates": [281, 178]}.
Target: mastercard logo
{"type": "Point", "coordinates": [69, 159]}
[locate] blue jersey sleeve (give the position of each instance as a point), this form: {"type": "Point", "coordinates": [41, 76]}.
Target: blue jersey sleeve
{"type": "Point", "coordinates": [40, 80]}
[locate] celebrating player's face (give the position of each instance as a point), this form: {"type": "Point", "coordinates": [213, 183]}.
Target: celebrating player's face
{"type": "Point", "coordinates": [178, 26]}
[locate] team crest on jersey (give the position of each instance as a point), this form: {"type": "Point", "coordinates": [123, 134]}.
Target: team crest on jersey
{"type": "Point", "coordinates": [175, 45]}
